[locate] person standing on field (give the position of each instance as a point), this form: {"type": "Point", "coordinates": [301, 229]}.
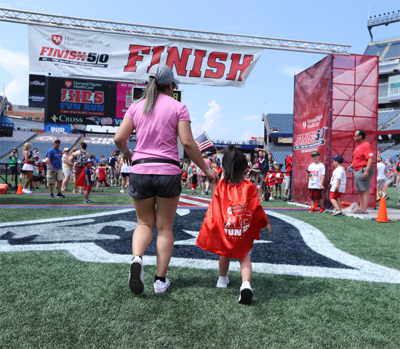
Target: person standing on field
{"type": "Point", "coordinates": [363, 159]}
{"type": "Point", "coordinates": [54, 168]}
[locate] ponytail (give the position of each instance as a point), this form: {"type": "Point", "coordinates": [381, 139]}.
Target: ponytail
{"type": "Point", "coordinates": [234, 163]}
{"type": "Point", "coordinates": [150, 95]}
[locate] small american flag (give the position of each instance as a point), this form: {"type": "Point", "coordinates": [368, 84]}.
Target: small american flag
{"type": "Point", "coordinates": [203, 142]}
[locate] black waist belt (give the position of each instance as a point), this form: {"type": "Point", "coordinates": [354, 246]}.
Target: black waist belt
{"type": "Point", "coordinates": [164, 161]}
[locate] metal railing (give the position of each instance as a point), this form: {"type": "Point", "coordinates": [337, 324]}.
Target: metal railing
{"type": "Point", "coordinates": [100, 26]}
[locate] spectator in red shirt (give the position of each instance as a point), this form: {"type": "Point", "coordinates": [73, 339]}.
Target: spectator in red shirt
{"type": "Point", "coordinates": [363, 159]}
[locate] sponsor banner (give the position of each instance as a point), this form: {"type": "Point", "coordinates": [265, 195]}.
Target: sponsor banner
{"type": "Point", "coordinates": [80, 101]}
{"type": "Point", "coordinates": [36, 90]}
{"type": "Point", "coordinates": [127, 57]}
{"type": "Point", "coordinates": [311, 125]}
{"type": "Point", "coordinates": [55, 128]}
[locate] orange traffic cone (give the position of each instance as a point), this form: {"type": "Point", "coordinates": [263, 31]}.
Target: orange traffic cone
{"type": "Point", "coordinates": [382, 212]}
{"type": "Point", "coordinates": [19, 191]}
{"type": "Point", "coordinates": [316, 204]}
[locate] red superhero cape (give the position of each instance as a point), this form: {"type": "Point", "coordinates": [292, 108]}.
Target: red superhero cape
{"type": "Point", "coordinates": [102, 174]}
{"type": "Point", "coordinates": [81, 180]}
{"type": "Point", "coordinates": [233, 220]}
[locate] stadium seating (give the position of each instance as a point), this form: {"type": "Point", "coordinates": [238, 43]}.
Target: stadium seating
{"type": "Point", "coordinates": [395, 125]}
{"type": "Point", "coordinates": [391, 153]}
{"type": "Point", "coordinates": [394, 51]}
{"type": "Point", "coordinates": [7, 146]}
{"type": "Point", "coordinates": [283, 122]}
{"type": "Point", "coordinates": [385, 116]}
{"type": "Point", "coordinates": [384, 146]}
{"type": "Point", "coordinates": [375, 49]}
{"type": "Point", "coordinates": [103, 145]}
{"type": "Point", "coordinates": [388, 67]}
{"type": "Point", "coordinates": [18, 139]}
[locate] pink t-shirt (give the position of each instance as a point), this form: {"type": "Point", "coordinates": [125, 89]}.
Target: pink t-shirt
{"type": "Point", "coordinates": [208, 163]}
{"type": "Point", "coordinates": [157, 135]}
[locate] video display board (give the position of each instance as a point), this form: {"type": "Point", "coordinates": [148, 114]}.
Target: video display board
{"type": "Point", "coordinates": [90, 102]}
{"type": "Point", "coordinates": [37, 91]}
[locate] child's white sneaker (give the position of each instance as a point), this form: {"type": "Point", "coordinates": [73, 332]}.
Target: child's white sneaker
{"type": "Point", "coordinates": [161, 287]}
{"type": "Point", "coordinates": [136, 281]}
{"type": "Point", "coordinates": [223, 282]}
{"type": "Point", "coordinates": [246, 293]}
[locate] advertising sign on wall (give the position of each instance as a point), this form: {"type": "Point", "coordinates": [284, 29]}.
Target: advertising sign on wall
{"type": "Point", "coordinates": [55, 128]}
{"type": "Point", "coordinates": [111, 56]}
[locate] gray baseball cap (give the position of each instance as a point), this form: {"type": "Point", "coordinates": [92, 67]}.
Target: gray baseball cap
{"type": "Point", "coordinates": [163, 74]}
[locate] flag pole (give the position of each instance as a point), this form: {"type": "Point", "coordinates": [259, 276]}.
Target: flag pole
{"type": "Point", "coordinates": [211, 141]}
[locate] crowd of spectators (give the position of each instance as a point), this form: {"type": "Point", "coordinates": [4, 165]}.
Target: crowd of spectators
{"type": "Point", "coordinates": [64, 167]}
{"type": "Point", "coordinates": [264, 172]}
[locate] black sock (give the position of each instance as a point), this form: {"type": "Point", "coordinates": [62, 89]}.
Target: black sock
{"type": "Point", "coordinates": [161, 278]}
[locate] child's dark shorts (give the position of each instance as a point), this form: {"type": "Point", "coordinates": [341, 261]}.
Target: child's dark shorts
{"type": "Point", "coordinates": [315, 194]}
{"type": "Point", "coordinates": [144, 186]}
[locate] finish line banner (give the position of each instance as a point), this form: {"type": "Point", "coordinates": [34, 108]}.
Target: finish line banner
{"type": "Point", "coordinates": [127, 57]}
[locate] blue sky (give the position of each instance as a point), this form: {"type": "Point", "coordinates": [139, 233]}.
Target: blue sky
{"type": "Point", "coordinates": [224, 112]}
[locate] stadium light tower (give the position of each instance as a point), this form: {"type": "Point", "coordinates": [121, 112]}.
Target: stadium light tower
{"type": "Point", "coordinates": [384, 19]}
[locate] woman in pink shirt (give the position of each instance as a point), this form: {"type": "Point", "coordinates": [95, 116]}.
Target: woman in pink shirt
{"type": "Point", "coordinates": [155, 178]}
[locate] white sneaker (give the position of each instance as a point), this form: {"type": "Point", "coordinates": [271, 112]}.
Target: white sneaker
{"type": "Point", "coordinates": [246, 293]}
{"type": "Point", "coordinates": [161, 287]}
{"type": "Point", "coordinates": [26, 191]}
{"type": "Point", "coordinates": [271, 198]}
{"type": "Point", "coordinates": [136, 281]}
{"type": "Point", "coordinates": [122, 191]}
{"type": "Point", "coordinates": [223, 282]}
{"type": "Point", "coordinates": [202, 193]}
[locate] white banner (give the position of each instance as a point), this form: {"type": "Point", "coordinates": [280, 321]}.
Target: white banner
{"type": "Point", "coordinates": [127, 57]}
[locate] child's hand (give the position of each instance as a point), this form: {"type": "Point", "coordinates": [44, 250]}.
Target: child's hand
{"type": "Point", "coordinates": [322, 186]}
{"type": "Point", "coordinates": [269, 228]}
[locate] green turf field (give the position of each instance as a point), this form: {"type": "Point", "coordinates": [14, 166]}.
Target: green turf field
{"type": "Point", "coordinates": [49, 299]}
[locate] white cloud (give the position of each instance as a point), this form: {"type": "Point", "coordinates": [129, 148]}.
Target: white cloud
{"type": "Point", "coordinates": [252, 117]}
{"type": "Point", "coordinates": [291, 70]}
{"type": "Point", "coordinates": [16, 64]}
{"type": "Point", "coordinates": [246, 136]}
{"type": "Point", "coordinates": [211, 115]}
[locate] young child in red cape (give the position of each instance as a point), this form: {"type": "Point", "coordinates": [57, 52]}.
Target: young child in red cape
{"type": "Point", "coordinates": [233, 221]}
{"type": "Point", "coordinates": [86, 179]}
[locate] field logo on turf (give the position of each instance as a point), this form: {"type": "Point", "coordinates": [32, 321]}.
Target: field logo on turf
{"type": "Point", "coordinates": [293, 248]}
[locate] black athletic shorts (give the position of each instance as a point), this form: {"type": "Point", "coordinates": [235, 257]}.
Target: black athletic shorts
{"type": "Point", "coordinates": [125, 174]}
{"type": "Point", "coordinates": [144, 186]}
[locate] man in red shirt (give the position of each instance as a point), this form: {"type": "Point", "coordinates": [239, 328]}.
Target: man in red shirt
{"type": "Point", "coordinates": [363, 159]}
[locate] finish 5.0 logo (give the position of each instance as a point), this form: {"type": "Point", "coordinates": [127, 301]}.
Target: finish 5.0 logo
{"type": "Point", "coordinates": [310, 139]}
